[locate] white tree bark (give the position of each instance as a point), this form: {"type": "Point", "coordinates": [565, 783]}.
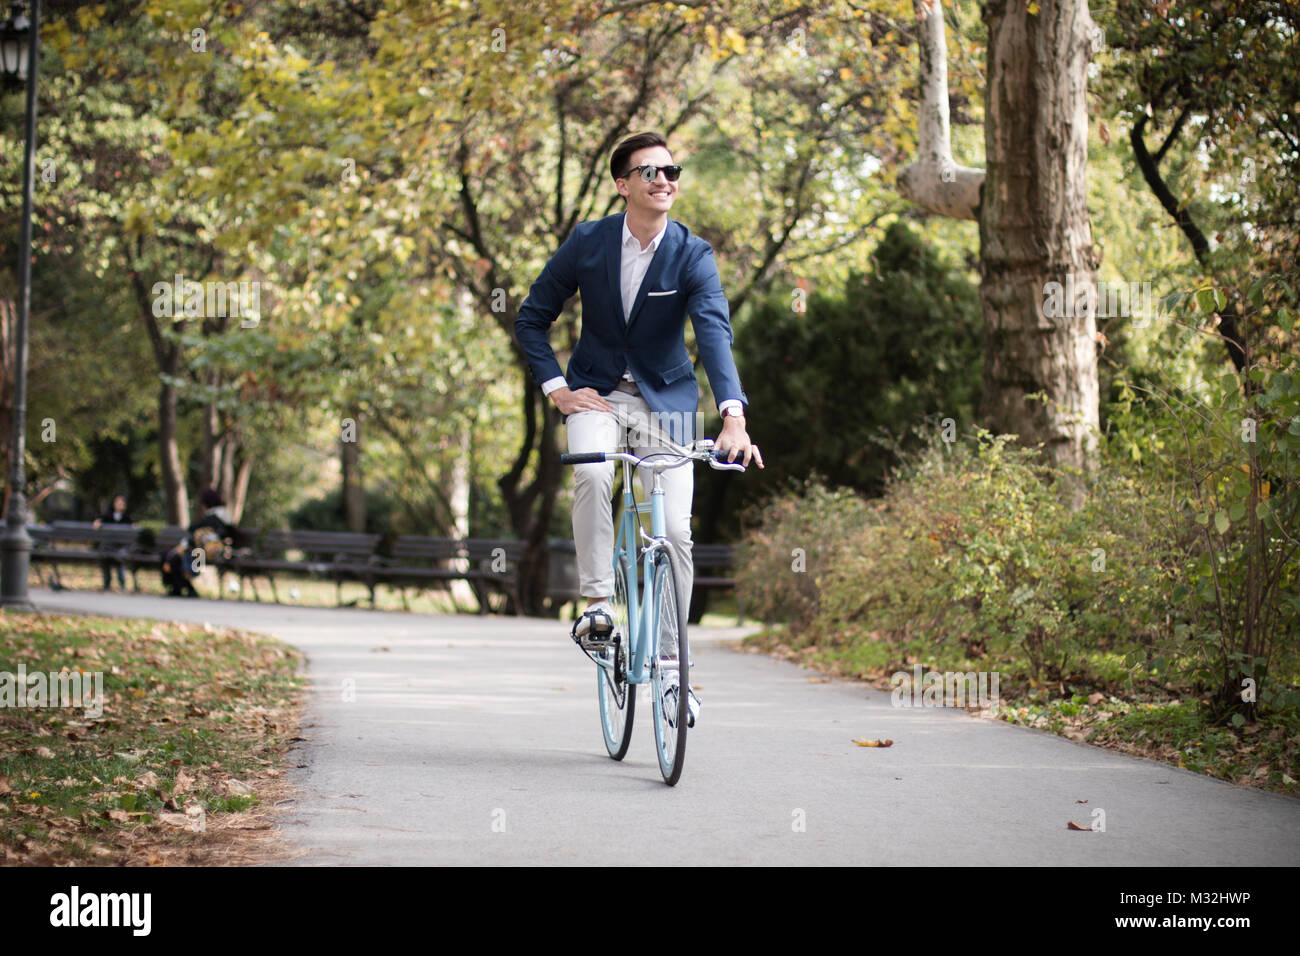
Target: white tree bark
{"type": "Point", "coordinates": [934, 182]}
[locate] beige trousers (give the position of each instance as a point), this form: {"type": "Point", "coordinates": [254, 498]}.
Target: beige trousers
{"type": "Point", "coordinates": [593, 518]}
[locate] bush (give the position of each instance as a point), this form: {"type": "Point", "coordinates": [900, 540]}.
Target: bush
{"type": "Point", "coordinates": [799, 536]}
{"type": "Point", "coordinates": [1231, 464]}
{"type": "Point", "coordinates": [974, 552]}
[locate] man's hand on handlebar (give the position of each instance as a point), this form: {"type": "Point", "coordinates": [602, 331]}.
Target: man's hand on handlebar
{"type": "Point", "coordinates": [735, 439]}
{"type": "Point", "coordinates": [583, 400]}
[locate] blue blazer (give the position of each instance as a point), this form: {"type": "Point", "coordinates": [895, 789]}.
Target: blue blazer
{"type": "Point", "coordinates": [682, 280]}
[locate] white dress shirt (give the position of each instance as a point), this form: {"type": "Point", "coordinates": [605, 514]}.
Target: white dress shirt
{"type": "Point", "coordinates": [634, 262]}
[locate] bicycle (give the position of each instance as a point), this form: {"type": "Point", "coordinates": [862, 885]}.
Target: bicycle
{"type": "Point", "coordinates": [649, 639]}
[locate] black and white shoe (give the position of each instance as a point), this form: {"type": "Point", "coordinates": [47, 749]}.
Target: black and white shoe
{"type": "Point", "coordinates": [670, 703]}
{"type": "Point", "coordinates": [595, 629]}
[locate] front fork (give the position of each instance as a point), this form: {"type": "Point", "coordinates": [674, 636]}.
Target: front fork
{"type": "Point", "coordinates": [641, 605]}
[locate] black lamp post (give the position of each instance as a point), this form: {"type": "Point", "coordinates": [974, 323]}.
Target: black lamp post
{"type": "Point", "coordinates": [19, 66]}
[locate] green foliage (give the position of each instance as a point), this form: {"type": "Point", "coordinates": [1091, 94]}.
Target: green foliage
{"type": "Point", "coordinates": [974, 554]}
{"type": "Point", "coordinates": [782, 562]}
{"type": "Point", "coordinates": [862, 367]}
{"type": "Point", "coordinates": [1214, 88]}
{"type": "Point", "coordinates": [1231, 463]}
{"type": "Point", "coordinates": [326, 514]}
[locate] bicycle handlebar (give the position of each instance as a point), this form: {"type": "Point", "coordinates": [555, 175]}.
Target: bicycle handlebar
{"type": "Point", "coordinates": [717, 459]}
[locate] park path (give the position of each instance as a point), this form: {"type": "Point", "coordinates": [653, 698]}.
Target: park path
{"type": "Point", "coordinates": [475, 740]}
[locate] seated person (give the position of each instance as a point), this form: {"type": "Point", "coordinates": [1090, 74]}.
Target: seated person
{"type": "Point", "coordinates": [116, 516]}
{"type": "Point", "coordinates": [212, 533]}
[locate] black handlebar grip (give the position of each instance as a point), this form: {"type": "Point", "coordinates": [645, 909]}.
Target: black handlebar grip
{"type": "Point", "coordinates": [583, 458]}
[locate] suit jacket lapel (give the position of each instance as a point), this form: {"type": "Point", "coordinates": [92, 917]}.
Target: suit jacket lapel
{"type": "Point", "coordinates": [613, 263]}
{"type": "Point", "coordinates": [662, 255]}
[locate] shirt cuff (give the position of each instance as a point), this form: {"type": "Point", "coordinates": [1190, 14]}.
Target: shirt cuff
{"type": "Point", "coordinates": [551, 384]}
{"type": "Point", "coordinates": [731, 403]}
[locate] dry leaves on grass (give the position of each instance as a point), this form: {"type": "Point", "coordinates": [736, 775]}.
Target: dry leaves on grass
{"type": "Point", "coordinates": [224, 692]}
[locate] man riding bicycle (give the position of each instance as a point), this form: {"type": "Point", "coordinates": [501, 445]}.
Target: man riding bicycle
{"type": "Point", "coordinates": [630, 377]}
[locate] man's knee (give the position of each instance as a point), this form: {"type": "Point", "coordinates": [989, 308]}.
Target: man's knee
{"type": "Point", "coordinates": [598, 478]}
{"type": "Point", "coordinates": [679, 533]}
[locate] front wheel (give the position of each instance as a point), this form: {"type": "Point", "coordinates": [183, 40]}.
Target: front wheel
{"type": "Point", "coordinates": [617, 698]}
{"type": "Point", "coordinates": [670, 670]}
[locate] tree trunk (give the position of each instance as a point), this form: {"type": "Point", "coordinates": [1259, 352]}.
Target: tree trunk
{"type": "Point", "coordinates": [173, 476]}
{"type": "Point", "coordinates": [354, 490]}
{"type": "Point", "coordinates": [458, 497]}
{"type": "Point", "coordinates": [167, 353]}
{"type": "Point", "coordinates": [239, 491]}
{"type": "Point", "coordinates": [212, 442]}
{"type": "Point", "coordinates": [531, 506]}
{"type": "Point", "coordinates": [1035, 230]}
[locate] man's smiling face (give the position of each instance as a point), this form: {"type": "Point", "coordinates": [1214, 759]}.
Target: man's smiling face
{"type": "Point", "coordinates": [654, 197]}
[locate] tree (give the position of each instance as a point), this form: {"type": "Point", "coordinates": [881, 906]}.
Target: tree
{"type": "Point", "coordinates": [1220, 81]}
{"type": "Point", "coordinates": [1040, 365]}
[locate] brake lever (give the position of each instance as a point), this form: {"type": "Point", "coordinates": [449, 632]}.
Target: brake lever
{"type": "Point", "coordinates": [725, 465]}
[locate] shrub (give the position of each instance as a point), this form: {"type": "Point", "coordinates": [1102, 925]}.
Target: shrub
{"type": "Point", "coordinates": [974, 551]}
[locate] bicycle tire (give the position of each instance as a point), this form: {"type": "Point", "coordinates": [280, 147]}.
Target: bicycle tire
{"type": "Point", "coordinates": [617, 698]}
{"type": "Point", "coordinates": [671, 708]}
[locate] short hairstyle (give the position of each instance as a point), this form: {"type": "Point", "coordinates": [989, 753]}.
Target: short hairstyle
{"type": "Point", "coordinates": [211, 498]}
{"type": "Point", "coordinates": [624, 150]}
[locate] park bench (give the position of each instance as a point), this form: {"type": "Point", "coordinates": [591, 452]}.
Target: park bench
{"type": "Point", "coordinates": [495, 562]}
{"type": "Point", "coordinates": [80, 542]}
{"type": "Point", "coordinates": [334, 555]}
{"type": "Point", "coordinates": [489, 565]}
{"type": "Point", "coordinates": [422, 562]}
{"type": "Point", "coordinates": [714, 564]}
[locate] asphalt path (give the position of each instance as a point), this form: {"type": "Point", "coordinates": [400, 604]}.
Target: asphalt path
{"type": "Point", "coordinates": [476, 740]}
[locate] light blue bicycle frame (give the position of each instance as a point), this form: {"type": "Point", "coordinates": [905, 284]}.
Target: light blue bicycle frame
{"type": "Point", "coordinates": [640, 603]}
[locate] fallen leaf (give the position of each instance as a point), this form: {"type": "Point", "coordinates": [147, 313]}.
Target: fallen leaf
{"type": "Point", "coordinates": [44, 752]}
{"type": "Point", "coordinates": [121, 816]}
{"type": "Point", "coordinates": [5, 789]}
{"type": "Point", "coordinates": [183, 782]}
{"type": "Point", "coordinates": [237, 788]}
{"type": "Point", "coordinates": [146, 781]}
{"type": "Point", "coordinates": [1074, 826]}
{"type": "Point", "coordinates": [874, 743]}
{"type": "Point", "coordinates": [1080, 801]}
{"type": "Point", "coordinates": [818, 680]}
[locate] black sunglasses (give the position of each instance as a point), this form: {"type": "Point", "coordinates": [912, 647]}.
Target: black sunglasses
{"type": "Point", "coordinates": [650, 173]}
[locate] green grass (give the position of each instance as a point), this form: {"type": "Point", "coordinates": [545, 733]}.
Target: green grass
{"type": "Point", "coordinates": [292, 590]}
{"type": "Point", "coordinates": [188, 713]}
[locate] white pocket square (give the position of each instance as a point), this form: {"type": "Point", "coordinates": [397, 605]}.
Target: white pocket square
{"type": "Point", "coordinates": [666, 292]}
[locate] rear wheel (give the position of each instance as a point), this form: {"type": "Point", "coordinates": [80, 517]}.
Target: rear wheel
{"type": "Point", "coordinates": [617, 699]}
{"type": "Point", "coordinates": [670, 674]}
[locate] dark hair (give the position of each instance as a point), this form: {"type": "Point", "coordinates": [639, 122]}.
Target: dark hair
{"type": "Point", "coordinates": [211, 498]}
{"type": "Point", "coordinates": [624, 150]}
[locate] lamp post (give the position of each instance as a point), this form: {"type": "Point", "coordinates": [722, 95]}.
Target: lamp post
{"type": "Point", "coordinates": [19, 66]}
